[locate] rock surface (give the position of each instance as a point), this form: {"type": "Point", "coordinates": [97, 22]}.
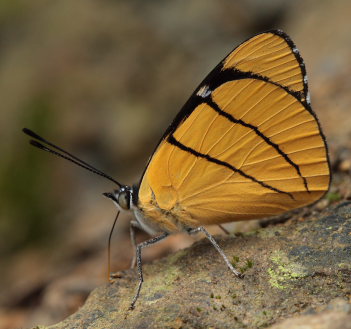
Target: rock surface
{"type": "Point", "coordinates": [296, 273]}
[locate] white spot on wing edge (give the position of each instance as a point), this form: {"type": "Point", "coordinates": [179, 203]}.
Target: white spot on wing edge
{"type": "Point", "coordinates": [204, 91]}
{"type": "Point", "coordinates": [295, 50]}
{"type": "Point", "coordinates": [305, 79]}
{"type": "Point", "coordinates": [308, 98]}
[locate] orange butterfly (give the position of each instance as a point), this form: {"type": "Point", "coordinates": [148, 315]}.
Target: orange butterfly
{"type": "Point", "coordinates": [246, 145]}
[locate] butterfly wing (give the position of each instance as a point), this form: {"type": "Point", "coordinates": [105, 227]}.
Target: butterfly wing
{"type": "Point", "coordinates": [246, 145]}
{"type": "Point", "coordinates": [273, 56]}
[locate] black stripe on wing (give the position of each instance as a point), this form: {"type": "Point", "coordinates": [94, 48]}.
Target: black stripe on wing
{"type": "Point", "coordinates": [171, 139]}
{"type": "Point", "coordinates": [215, 79]}
{"type": "Point", "coordinates": [286, 157]}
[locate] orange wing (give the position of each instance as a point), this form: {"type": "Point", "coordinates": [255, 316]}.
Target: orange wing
{"type": "Point", "coordinates": [272, 55]}
{"type": "Point", "coordinates": [246, 145]}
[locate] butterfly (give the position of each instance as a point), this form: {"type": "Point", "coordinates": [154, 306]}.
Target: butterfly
{"type": "Point", "coordinates": [246, 145]}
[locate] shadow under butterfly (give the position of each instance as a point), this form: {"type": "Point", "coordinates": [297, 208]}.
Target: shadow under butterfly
{"type": "Point", "coordinates": [246, 145]}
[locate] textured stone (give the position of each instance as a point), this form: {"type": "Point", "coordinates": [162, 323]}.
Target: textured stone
{"type": "Point", "coordinates": [300, 270]}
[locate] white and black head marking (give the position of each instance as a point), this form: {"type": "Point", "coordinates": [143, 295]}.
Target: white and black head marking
{"type": "Point", "coordinates": [122, 198]}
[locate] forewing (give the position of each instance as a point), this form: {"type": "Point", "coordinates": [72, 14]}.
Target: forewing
{"type": "Point", "coordinates": [274, 56]}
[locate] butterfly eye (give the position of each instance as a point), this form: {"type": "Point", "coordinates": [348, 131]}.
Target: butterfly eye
{"type": "Point", "coordinates": [123, 200]}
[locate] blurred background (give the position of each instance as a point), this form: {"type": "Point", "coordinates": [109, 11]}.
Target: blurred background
{"type": "Point", "coordinates": [103, 79]}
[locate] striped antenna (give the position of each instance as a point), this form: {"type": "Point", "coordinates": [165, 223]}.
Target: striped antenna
{"type": "Point", "coordinates": [39, 142]}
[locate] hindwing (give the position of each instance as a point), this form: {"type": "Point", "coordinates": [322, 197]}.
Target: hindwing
{"type": "Point", "coordinates": [246, 144]}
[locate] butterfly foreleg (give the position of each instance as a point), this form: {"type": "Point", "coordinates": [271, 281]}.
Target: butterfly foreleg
{"type": "Point", "coordinates": [139, 263]}
{"type": "Point", "coordinates": [133, 225]}
{"type": "Point", "coordinates": [215, 244]}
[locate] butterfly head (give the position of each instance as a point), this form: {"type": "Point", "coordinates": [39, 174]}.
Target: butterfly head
{"type": "Point", "coordinates": [121, 197]}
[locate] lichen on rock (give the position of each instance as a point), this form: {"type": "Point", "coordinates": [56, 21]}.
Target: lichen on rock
{"type": "Point", "coordinates": [297, 269]}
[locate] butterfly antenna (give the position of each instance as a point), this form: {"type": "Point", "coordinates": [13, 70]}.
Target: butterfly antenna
{"type": "Point", "coordinates": [109, 247]}
{"type": "Point", "coordinates": [39, 142]}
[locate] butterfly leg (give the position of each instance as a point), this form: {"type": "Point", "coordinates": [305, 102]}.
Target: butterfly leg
{"type": "Point", "coordinates": [223, 229]}
{"type": "Point", "coordinates": [139, 264]}
{"type": "Point", "coordinates": [215, 244]}
{"type": "Point", "coordinates": [133, 224]}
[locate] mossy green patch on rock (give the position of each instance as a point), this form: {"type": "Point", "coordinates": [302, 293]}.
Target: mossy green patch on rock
{"type": "Point", "coordinates": [157, 284]}
{"type": "Point", "coordinates": [284, 271]}
{"type": "Point", "coordinates": [333, 196]}
{"type": "Point", "coordinates": [345, 266]}
{"type": "Point", "coordinates": [176, 256]}
{"type": "Point", "coordinates": [241, 264]}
